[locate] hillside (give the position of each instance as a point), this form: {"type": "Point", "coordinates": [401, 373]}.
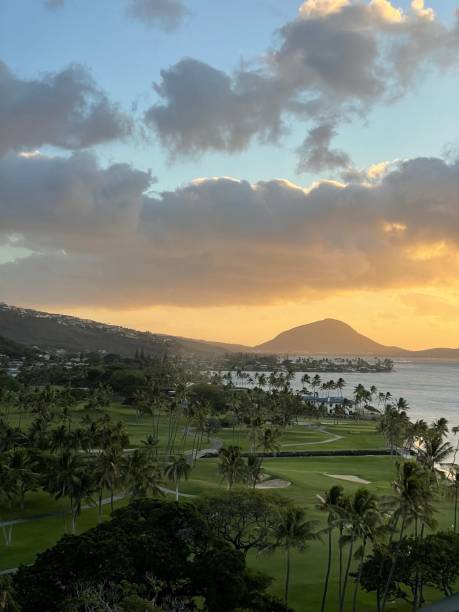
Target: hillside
{"type": "Point", "coordinates": [21, 328]}
{"type": "Point", "coordinates": [13, 349]}
{"type": "Point", "coordinates": [54, 331]}
{"type": "Point", "coordinates": [332, 337]}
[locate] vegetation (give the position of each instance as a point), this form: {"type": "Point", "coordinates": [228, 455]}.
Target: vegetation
{"type": "Point", "coordinates": [125, 430]}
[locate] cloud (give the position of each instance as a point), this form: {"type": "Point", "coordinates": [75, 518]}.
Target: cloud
{"type": "Point", "coordinates": [167, 14]}
{"type": "Point", "coordinates": [65, 109]}
{"type": "Point", "coordinates": [332, 63]}
{"type": "Point", "coordinates": [99, 239]}
{"type": "Point", "coordinates": [316, 154]}
{"type": "Point", "coordinates": [430, 306]}
{"type": "Point", "coordinates": [164, 14]}
{"type": "Point", "coordinates": [206, 109]}
{"type": "Point", "coordinates": [54, 4]}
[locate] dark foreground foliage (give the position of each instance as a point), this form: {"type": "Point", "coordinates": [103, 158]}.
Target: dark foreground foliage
{"type": "Point", "coordinates": [152, 555]}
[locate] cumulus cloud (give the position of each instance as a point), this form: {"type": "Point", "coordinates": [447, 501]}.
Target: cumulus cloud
{"type": "Point", "coordinates": [220, 241]}
{"type": "Point", "coordinates": [65, 109]}
{"type": "Point", "coordinates": [335, 61]}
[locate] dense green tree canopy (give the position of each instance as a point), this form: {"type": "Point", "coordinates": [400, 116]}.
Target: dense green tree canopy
{"type": "Point", "coordinates": [166, 541]}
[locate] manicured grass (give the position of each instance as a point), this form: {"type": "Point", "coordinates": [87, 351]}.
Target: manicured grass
{"type": "Point", "coordinates": [307, 477]}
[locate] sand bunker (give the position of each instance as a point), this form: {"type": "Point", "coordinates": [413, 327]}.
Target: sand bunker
{"type": "Point", "coordinates": [348, 477]}
{"type": "Point", "coordinates": [276, 483]}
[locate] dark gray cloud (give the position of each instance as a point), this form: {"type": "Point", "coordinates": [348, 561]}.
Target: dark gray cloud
{"type": "Point", "coordinates": [316, 153]}
{"type": "Point", "coordinates": [206, 109]}
{"type": "Point", "coordinates": [65, 109]}
{"type": "Point", "coordinates": [97, 239]}
{"type": "Point", "coordinates": [334, 62]}
{"type": "Point", "coordinates": [167, 14]}
{"type": "Point", "coordinates": [164, 14]}
{"type": "Point", "coordinates": [54, 4]}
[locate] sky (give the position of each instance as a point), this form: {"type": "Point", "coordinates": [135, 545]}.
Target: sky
{"type": "Point", "coordinates": [230, 170]}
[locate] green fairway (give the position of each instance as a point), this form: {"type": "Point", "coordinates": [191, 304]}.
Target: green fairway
{"type": "Point", "coordinates": [308, 476]}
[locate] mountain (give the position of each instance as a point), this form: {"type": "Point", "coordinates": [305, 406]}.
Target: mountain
{"type": "Point", "coordinates": [14, 350]}
{"type": "Point", "coordinates": [49, 331]}
{"type": "Point", "coordinates": [22, 328]}
{"type": "Point", "coordinates": [332, 337]}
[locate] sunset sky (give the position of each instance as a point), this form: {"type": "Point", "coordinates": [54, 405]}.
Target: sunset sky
{"type": "Point", "coordinates": [228, 170]}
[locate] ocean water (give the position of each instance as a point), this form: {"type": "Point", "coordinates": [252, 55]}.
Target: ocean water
{"type": "Point", "coordinates": [430, 387]}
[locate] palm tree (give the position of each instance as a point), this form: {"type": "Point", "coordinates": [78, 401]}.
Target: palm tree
{"type": "Point", "coordinates": [340, 384]}
{"type": "Point", "coordinates": [69, 477]}
{"type": "Point", "coordinates": [433, 450]}
{"type": "Point", "coordinates": [366, 525]}
{"type": "Point", "coordinates": [142, 475]}
{"type": "Point", "coordinates": [232, 466]}
{"type": "Point", "coordinates": [454, 484]}
{"type": "Point", "coordinates": [22, 469]}
{"type": "Point", "coordinates": [292, 532]}
{"type": "Point", "coordinates": [412, 505]}
{"type": "Point", "coordinates": [329, 502]}
{"type": "Point", "coordinates": [176, 470]}
{"type": "Point", "coordinates": [305, 380]}
{"type": "Point", "coordinates": [316, 382]}
{"type": "Point", "coordinates": [108, 473]}
{"type": "Point", "coordinates": [268, 440]}
{"type": "Point", "coordinates": [8, 491]}
{"type": "Point", "coordinates": [82, 490]}
{"type": "Point", "coordinates": [150, 445]}
{"type": "Point", "coordinates": [254, 469]}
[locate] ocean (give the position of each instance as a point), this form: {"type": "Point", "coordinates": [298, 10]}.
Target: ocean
{"type": "Point", "coordinates": [430, 387]}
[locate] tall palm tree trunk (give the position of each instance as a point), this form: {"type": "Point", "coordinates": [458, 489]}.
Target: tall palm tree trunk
{"type": "Point", "coordinates": [177, 491]}
{"type": "Point", "coordinates": [359, 578]}
{"type": "Point", "coordinates": [346, 575]}
{"type": "Point", "coordinates": [340, 581]}
{"type": "Point", "coordinates": [455, 506]}
{"type": "Point", "coordinates": [392, 567]}
{"type": "Point", "coordinates": [99, 516]}
{"type": "Point", "coordinates": [287, 577]}
{"type": "Point", "coordinates": [327, 575]}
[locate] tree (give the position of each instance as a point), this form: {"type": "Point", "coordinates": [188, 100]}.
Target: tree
{"type": "Point", "coordinates": [108, 473]}
{"type": "Point", "coordinates": [330, 503]}
{"type": "Point", "coordinates": [69, 477]}
{"type": "Point", "coordinates": [292, 532]}
{"type": "Point", "coordinates": [8, 491]}
{"type": "Point", "coordinates": [156, 546]}
{"type": "Point", "coordinates": [254, 469]}
{"type": "Point", "coordinates": [366, 523]}
{"type": "Point", "coordinates": [433, 450]}
{"type": "Point", "coordinates": [435, 559]}
{"type": "Point", "coordinates": [454, 487]}
{"type": "Point", "coordinates": [393, 425]}
{"type": "Point", "coordinates": [142, 475]}
{"type": "Point", "coordinates": [177, 469]}
{"type": "Point", "coordinates": [412, 504]}
{"type": "Point", "coordinates": [8, 601]}
{"type": "Point", "coordinates": [232, 466]}
{"type": "Point", "coordinates": [268, 440]}
{"type": "Point", "coordinates": [22, 468]}
{"type": "Point", "coordinates": [245, 519]}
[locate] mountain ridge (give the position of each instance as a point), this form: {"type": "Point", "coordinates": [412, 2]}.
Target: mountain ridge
{"type": "Point", "coordinates": [334, 337]}
{"type": "Point", "coordinates": [50, 331]}
{"type": "Point", "coordinates": [53, 331]}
